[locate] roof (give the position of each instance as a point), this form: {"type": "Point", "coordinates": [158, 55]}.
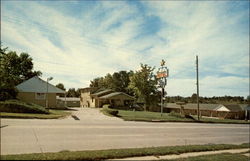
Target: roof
{"type": "Point", "coordinates": [37, 85]}
{"type": "Point", "coordinates": [102, 92]}
{"type": "Point", "coordinates": [68, 98]}
{"type": "Point", "coordinates": [111, 95]}
{"type": "Point", "coordinates": [245, 106]}
{"type": "Point", "coordinates": [233, 108]}
{"type": "Point", "coordinates": [193, 106]}
{"type": "Point", "coordinates": [88, 89]}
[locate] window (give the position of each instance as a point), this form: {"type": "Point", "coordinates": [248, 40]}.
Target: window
{"type": "Point", "coordinates": [92, 99]}
{"type": "Point", "coordinates": [40, 96]}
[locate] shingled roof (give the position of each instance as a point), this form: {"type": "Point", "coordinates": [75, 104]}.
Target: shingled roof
{"type": "Point", "coordinates": [114, 94]}
{"type": "Point", "coordinates": [37, 85]}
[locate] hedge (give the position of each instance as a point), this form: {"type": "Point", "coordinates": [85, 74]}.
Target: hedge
{"type": "Point", "coordinates": [15, 106]}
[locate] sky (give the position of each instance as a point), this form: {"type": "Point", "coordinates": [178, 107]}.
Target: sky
{"type": "Point", "coordinates": [77, 41]}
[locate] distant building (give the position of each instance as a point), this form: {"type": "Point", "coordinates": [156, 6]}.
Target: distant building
{"type": "Point", "coordinates": [67, 101]}
{"type": "Point", "coordinates": [228, 108]}
{"type": "Point", "coordinates": [239, 111]}
{"type": "Point", "coordinates": [34, 90]}
{"type": "Point", "coordinates": [94, 97]}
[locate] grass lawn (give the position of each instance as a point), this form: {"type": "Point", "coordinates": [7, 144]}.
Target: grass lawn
{"type": "Point", "coordinates": [121, 153]}
{"type": "Point", "coordinates": [54, 114]}
{"type": "Point", "coordinates": [19, 109]}
{"type": "Point", "coordinates": [167, 117]}
{"type": "Point", "coordinates": [227, 121]}
{"type": "Point", "coordinates": [215, 157]}
{"type": "Point", "coordinates": [149, 116]}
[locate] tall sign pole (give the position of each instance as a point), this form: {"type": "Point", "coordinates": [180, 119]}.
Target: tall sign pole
{"type": "Point", "coordinates": [162, 75]}
{"type": "Point", "coordinates": [197, 83]}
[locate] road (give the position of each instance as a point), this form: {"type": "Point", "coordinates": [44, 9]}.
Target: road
{"type": "Point", "coordinates": [95, 131]}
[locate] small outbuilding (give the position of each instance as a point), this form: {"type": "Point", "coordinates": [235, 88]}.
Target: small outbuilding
{"type": "Point", "coordinates": [35, 90]}
{"type": "Point", "coordinates": [68, 101]}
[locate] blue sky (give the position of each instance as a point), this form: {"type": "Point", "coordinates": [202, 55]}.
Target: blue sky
{"type": "Point", "coordinates": [76, 41]}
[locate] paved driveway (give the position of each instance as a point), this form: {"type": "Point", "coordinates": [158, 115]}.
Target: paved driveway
{"type": "Point", "coordinates": [94, 131]}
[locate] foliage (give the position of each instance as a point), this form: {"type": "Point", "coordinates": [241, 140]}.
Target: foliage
{"type": "Point", "coordinates": [61, 86]}
{"type": "Point", "coordinates": [151, 116]}
{"type": "Point", "coordinates": [144, 85]}
{"type": "Point", "coordinates": [170, 117]}
{"type": "Point", "coordinates": [248, 99]}
{"type": "Point", "coordinates": [54, 114]}
{"type": "Point", "coordinates": [14, 70]}
{"type": "Point", "coordinates": [214, 157]}
{"type": "Point", "coordinates": [15, 106]}
{"type": "Point", "coordinates": [122, 153]}
{"type": "Point", "coordinates": [73, 93]}
{"type": "Point", "coordinates": [109, 111]}
{"type": "Point", "coordinates": [7, 92]}
{"type": "Point", "coordinates": [118, 81]}
{"type": "Point", "coordinates": [172, 113]}
{"type": "Point", "coordinates": [212, 100]}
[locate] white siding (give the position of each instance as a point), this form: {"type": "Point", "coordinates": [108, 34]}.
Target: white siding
{"type": "Point", "coordinates": [222, 108]}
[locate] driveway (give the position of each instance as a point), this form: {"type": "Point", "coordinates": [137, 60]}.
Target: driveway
{"type": "Point", "coordinates": [91, 130]}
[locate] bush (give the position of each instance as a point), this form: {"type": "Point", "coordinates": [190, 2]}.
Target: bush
{"type": "Point", "coordinates": [109, 110]}
{"type": "Point", "coordinates": [174, 114]}
{"type": "Point", "coordinates": [15, 106]}
{"type": "Point", "coordinates": [7, 93]}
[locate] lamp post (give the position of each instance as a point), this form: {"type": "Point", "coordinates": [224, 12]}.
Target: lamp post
{"type": "Point", "coordinates": [162, 75]}
{"type": "Point", "coordinates": [47, 97]}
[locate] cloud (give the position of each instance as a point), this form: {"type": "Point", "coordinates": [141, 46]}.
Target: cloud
{"type": "Point", "coordinates": [76, 42]}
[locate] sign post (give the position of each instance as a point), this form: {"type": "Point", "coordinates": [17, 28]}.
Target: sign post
{"type": "Point", "coordinates": [162, 75]}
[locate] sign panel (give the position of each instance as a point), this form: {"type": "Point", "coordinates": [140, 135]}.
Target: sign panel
{"type": "Point", "coordinates": [162, 74]}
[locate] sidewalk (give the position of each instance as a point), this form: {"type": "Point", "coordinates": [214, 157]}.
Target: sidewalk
{"type": "Point", "coordinates": [186, 155]}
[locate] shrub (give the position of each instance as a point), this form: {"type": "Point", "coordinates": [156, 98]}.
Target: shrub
{"type": "Point", "coordinates": [7, 93]}
{"type": "Point", "coordinates": [15, 106]}
{"type": "Point", "coordinates": [109, 110]}
{"type": "Point", "coordinates": [174, 114]}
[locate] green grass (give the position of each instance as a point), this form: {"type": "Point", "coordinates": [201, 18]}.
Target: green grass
{"type": "Point", "coordinates": [226, 121]}
{"type": "Point", "coordinates": [53, 114]}
{"type": "Point", "coordinates": [16, 106]}
{"type": "Point", "coordinates": [215, 157]}
{"type": "Point", "coordinates": [121, 153]}
{"type": "Point", "coordinates": [108, 111]}
{"type": "Point", "coordinates": [149, 116]}
{"type": "Point", "coordinates": [167, 117]}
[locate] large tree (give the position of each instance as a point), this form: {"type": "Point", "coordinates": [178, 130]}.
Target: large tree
{"type": "Point", "coordinates": [144, 85]}
{"type": "Point", "coordinates": [14, 70]}
{"type": "Point", "coordinates": [118, 81]}
{"type": "Point", "coordinates": [72, 92]}
{"type": "Point", "coordinates": [61, 86]}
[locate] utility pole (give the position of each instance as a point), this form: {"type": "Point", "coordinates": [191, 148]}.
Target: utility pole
{"type": "Point", "coordinates": [197, 83]}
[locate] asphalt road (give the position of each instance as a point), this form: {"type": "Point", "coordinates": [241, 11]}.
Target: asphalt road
{"type": "Point", "coordinates": [93, 130]}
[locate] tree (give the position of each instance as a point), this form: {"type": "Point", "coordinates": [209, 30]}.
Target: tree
{"type": "Point", "coordinates": [78, 92]}
{"type": "Point", "coordinates": [194, 98]}
{"type": "Point", "coordinates": [121, 81]}
{"type": "Point", "coordinates": [248, 99]}
{"type": "Point", "coordinates": [61, 86]}
{"type": "Point", "coordinates": [71, 92]}
{"type": "Point", "coordinates": [97, 82]}
{"type": "Point", "coordinates": [144, 85]}
{"type": "Point", "coordinates": [14, 70]}
{"type": "Point", "coordinates": [118, 81]}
